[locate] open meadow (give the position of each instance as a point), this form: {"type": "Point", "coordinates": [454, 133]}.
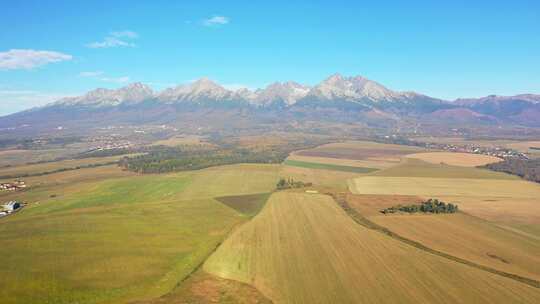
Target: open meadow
{"type": "Point", "coordinates": [119, 238]}
{"type": "Point", "coordinates": [50, 167]}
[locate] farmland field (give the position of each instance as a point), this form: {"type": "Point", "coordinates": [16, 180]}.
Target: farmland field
{"type": "Point", "coordinates": [322, 166]}
{"type": "Point", "coordinates": [118, 239]}
{"type": "Point", "coordinates": [368, 154]}
{"type": "Point", "coordinates": [292, 254]}
{"type": "Point", "coordinates": [222, 234]}
{"type": "Point", "coordinates": [455, 159]}
{"type": "Point", "coordinates": [58, 165]}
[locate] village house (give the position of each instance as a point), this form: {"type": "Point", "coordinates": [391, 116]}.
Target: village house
{"type": "Point", "coordinates": [17, 185]}
{"type": "Point", "coordinates": [10, 207]}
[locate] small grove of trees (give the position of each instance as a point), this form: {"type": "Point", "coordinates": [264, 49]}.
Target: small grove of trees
{"type": "Point", "coordinates": [429, 206]}
{"type": "Point", "coordinates": [290, 183]}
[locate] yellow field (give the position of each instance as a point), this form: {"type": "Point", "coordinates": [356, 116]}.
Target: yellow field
{"type": "Point", "coordinates": [427, 186]}
{"type": "Point", "coordinates": [470, 238]}
{"type": "Point", "coordinates": [362, 153]}
{"type": "Point", "coordinates": [455, 159]}
{"type": "Point", "coordinates": [410, 167]}
{"type": "Point", "coordinates": [184, 140]}
{"type": "Point", "coordinates": [503, 201]}
{"type": "Point", "coordinates": [51, 166]}
{"type": "Point", "coordinates": [324, 178]}
{"type": "Point", "coordinates": [305, 249]}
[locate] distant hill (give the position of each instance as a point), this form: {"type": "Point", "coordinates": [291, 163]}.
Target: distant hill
{"type": "Point", "coordinates": [204, 103]}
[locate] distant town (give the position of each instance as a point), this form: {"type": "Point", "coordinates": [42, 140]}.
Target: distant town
{"type": "Point", "coordinates": [499, 152]}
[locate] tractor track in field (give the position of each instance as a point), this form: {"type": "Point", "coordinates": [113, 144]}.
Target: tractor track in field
{"type": "Point", "coordinates": [341, 200]}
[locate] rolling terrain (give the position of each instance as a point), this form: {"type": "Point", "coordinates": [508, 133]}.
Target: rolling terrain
{"type": "Point", "coordinates": [92, 238]}
{"type": "Point", "coordinates": [224, 234]}
{"type": "Point", "coordinates": [292, 254]}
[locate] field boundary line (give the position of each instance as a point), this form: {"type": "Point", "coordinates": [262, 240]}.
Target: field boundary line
{"type": "Point", "coordinates": [341, 200]}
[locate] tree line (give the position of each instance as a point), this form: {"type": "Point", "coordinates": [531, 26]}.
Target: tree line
{"type": "Point", "coordinates": [528, 169]}
{"type": "Point", "coordinates": [163, 159]}
{"type": "Point", "coordinates": [290, 183]}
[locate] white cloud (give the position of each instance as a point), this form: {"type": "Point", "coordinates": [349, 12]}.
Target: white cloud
{"type": "Point", "coordinates": [216, 21]}
{"type": "Point", "coordinates": [122, 79]}
{"type": "Point", "coordinates": [100, 75]}
{"type": "Point", "coordinates": [90, 74]}
{"type": "Point", "coordinates": [115, 39]}
{"type": "Point", "coordinates": [28, 59]}
{"type": "Point", "coordinates": [125, 34]}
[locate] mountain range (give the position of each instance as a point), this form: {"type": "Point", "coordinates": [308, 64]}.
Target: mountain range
{"type": "Point", "coordinates": [339, 98]}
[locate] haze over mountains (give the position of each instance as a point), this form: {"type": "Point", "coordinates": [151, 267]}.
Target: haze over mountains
{"type": "Point", "coordinates": [354, 99]}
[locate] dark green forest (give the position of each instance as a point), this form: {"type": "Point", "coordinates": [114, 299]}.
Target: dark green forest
{"type": "Point", "coordinates": [528, 169]}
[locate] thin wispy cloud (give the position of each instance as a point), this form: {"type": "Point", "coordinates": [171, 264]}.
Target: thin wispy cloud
{"type": "Point", "coordinates": [101, 76]}
{"type": "Point", "coordinates": [216, 21]}
{"type": "Point", "coordinates": [115, 39]}
{"type": "Point", "coordinates": [125, 34]}
{"type": "Point", "coordinates": [90, 74]}
{"type": "Point", "coordinates": [26, 59]}
{"type": "Point", "coordinates": [122, 79]}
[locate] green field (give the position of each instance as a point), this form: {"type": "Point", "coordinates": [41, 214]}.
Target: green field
{"type": "Point", "coordinates": [310, 165]}
{"type": "Point", "coordinates": [119, 239]}
{"type": "Point", "coordinates": [248, 204]}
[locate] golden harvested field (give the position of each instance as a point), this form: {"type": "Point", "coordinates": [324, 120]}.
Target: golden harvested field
{"type": "Point", "coordinates": [512, 202]}
{"type": "Point", "coordinates": [410, 167]}
{"type": "Point", "coordinates": [306, 249]}
{"type": "Point", "coordinates": [470, 238]}
{"type": "Point", "coordinates": [427, 186]}
{"type": "Point", "coordinates": [324, 178]}
{"type": "Point", "coordinates": [373, 154]}
{"type": "Point", "coordinates": [455, 159]}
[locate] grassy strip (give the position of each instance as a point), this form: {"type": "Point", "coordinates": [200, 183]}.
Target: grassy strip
{"type": "Point", "coordinates": [358, 218]}
{"type": "Point", "coordinates": [14, 176]}
{"type": "Point", "coordinates": [309, 165]}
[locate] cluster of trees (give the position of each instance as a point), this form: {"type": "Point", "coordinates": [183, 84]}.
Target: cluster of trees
{"type": "Point", "coordinates": [106, 153]}
{"type": "Point", "coordinates": [429, 206]}
{"type": "Point", "coordinates": [528, 169]}
{"type": "Point", "coordinates": [290, 183]}
{"type": "Point", "coordinates": [163, 159]}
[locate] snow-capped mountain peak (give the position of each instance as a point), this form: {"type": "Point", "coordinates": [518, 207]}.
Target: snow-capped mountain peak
{"type": "Point", "coordinates": [352, 88]}
{"type": "Point", "coordinates": [288, 92]}
{"type": "Point", "coordinates": [203, 88]}
{"type": "Point", "coordinates": [133, 93]}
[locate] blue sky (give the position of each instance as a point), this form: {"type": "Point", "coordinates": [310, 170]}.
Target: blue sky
{"type": "Point", "coordinates": [50, 49]}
